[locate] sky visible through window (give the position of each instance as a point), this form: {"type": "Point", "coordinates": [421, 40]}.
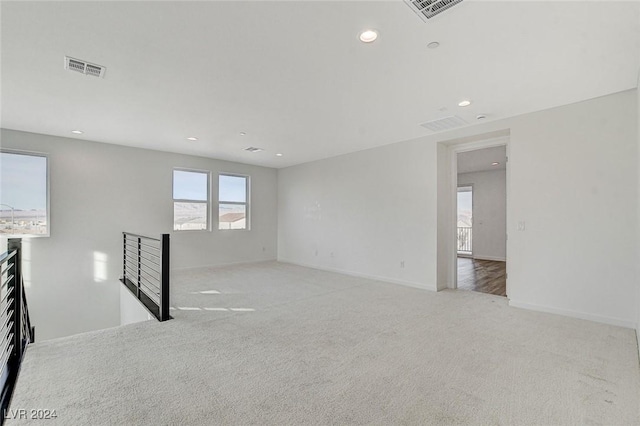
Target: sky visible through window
{"type": "Point", "coordinates": [190, 194]}
{"type": "Point", "coordinates": [23, 194]}
{"type": "Point", "coordinates": [189, 185]}
{"type": "Point", "coordinates": [233, 188]}
{"type": "Point", "coordinates": [193, 186]}
{"type": "Point", "coordinates": [24, 181]}
{"type": "Point", "coordinates": [465, 208]}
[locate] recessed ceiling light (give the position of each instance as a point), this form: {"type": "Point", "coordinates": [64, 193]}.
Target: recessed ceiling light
{"type": "Point", "coordinates": [243, 133]}
{"type": "Point", "coordinates": [495, 163]}
{"type": "Point", "coordinates": [77, 132]}
{"type": "Point", "coordinates": [368, 36]}
{"type": "Point", "coordinates": [464, 103]}
{"type": "Point", "coordinates": [433, 45]}
{"type": "Point", "coordinates": [192, 139]}
{"type": "Point", "coordinates": [278, 155]}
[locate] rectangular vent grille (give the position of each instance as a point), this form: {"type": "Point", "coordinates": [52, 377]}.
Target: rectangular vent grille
{"type": "Point", "coordinates": [427, 9]}
{"type": "Point", "coordinates": [84, 67]}
{"type": "Point", "coordinates": [253, 149]}
{"type": "Point", "coordinates": [445, 123]}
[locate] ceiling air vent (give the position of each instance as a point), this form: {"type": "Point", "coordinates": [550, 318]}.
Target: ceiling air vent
{"type": "Point", "coordinates": [84, 67]}
{"type": "Point", "coordinates": [427, 9]}
{"type": "Point", "coordinates": [444, 123]}
{"type": "Point", "coordinates": [253, 149]}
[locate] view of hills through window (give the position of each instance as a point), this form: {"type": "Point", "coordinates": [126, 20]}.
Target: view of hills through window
{"type": "Point", "coordinates": [465, 210]}
{"type": "Point", "coordinates": [190, 200]}
{"type": "Point", "coordinates": [23, 194]}
{"type": "Point", "coordinates": [232, 202]}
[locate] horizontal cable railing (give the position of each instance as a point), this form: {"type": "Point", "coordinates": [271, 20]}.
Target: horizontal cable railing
{"type": "Point", "coordinates": [145, 271]}
{"type": "Point", "coordinates": [465, 239]}
{"type": "Point", "coordinates": [16, 331]}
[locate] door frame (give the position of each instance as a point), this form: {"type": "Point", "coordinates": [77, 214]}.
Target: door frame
{"type": "Point", "coordinates": [453, 150]}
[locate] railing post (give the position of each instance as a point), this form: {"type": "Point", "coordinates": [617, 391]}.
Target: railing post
{"type": "Point", "coordinates": [16, 244]}
{"type": "Point", "coordinates": [139, 263]}
{"type": "Point", "coordinates": [124, 255]}
{"type": "Point", "coordinates": [164, 282]}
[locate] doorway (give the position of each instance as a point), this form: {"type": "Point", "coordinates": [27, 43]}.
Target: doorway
{"type": "Point", "coordinates": [464, 229]}
{"type": "Point", "coordinates": [480, 237]}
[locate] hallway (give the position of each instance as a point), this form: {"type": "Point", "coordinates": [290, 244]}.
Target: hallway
{"type": "Point", "coordinates": [484, 276]}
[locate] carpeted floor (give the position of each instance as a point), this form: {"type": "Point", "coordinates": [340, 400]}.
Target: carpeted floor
{"type": "Point", "coordinates": [278, 344]}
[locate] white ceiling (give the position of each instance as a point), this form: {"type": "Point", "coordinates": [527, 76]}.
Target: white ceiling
{"type": "Point", "coordinates": [293, 74]}
{"type": "Point", "coordinates": [480, 160]}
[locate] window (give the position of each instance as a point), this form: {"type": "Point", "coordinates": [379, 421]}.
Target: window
{"type": "Point", "coordinates": [24, 194]}
{"type": "Point", "coordinates": [233, 208]}
{"type": "Point", "coordinates": [190, 200]}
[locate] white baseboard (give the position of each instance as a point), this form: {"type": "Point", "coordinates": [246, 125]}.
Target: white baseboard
{"type": "Point", "coordinates": [574, 314]}
{"type": "Point", "coordinates": [495, 258]}
{"type": "Point", "coordinates": [222, 265]}
{"type": "Point", "coordinates": [361, 275]}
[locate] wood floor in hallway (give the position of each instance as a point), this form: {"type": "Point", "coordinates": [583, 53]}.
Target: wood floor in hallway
{"type": "Point", "coordinates": [485, 276]}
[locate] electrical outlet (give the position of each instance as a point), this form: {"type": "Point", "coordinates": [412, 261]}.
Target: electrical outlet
{"type": "Point", "coordinates": [402, 263]}
{"type": "Point", "coordinates": [521, 226]}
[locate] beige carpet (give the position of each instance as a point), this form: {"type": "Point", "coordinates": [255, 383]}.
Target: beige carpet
{"type": "Point", "coordinates": [279, 344]}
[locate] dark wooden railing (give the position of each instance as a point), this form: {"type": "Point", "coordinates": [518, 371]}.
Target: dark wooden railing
{"type": "Point", "coordinates": [15, 322]}
{"type": "Point", "coordinates": [145, 271]}
{"type": "Point", "coordinates": [465, 239]}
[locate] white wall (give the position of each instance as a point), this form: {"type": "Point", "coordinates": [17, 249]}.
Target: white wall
{"type": "Point", "coordinates": [573, 181]}
{"type": "Point", "coordinates": [363, 213]}
{"type": "Point", "coordinates": [131, 310]}
{"type": "Point", "coordinates": [638, 280]}
{"type": "Point", "coordinates": [98, 191]}
{"type": "Point", "coordinates": [489, 213]}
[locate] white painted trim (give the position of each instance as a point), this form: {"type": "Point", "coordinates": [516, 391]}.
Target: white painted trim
{"type": "Point", "coordinates": [494, 258]}
{"type": "Point", "coordinates": [222, 265]}
{"type": "Point", "coordinates": [480, 144]}
{"type": "Point", "coordinates": [454, 148]}
{"type": "Point", "coordinates": [360, 275]}
{"type": "Point", "coordinates": [573, 314]}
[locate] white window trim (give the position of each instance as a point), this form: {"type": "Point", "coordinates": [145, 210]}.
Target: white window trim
{"type": "Point", "coordinates": [182, 200]}
{"type": "Point", "coordinates": [247, 203]}
{"type": "Point", "coordinates": [46, 156]}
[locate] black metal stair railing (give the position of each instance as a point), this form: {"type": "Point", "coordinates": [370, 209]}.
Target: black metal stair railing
{"type": "Point", "coordinates": [145, 271]}
{"type": "Point", "coordinates": [15, 322]}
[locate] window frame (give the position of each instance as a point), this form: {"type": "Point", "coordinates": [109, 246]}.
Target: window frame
{"type": "Point", "coordinates": [48, 202]}
{"type": "Point", "coordinates": [183, 200]}
{"type": "Point", "coordinates": [246, 204]}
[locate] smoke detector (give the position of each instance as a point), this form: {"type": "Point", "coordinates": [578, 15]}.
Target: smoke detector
{"type": "Point", "coordinates": [427, 9]}
{"type": "Point", "coordinates": [84, 67]}
{"type": "Point", "coordinates": [253, 149]}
